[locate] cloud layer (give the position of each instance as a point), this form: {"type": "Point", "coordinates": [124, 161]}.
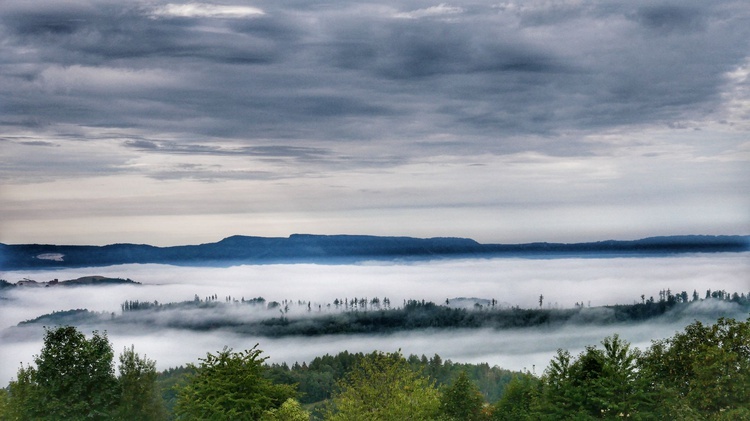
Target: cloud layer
{"type": "Point", "coordinates": [563, 282]}
{"type": "Point", "coordinates": [325, 109]}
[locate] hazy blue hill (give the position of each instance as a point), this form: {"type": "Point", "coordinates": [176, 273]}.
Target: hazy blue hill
{"type": "Point", "coordinates": [72, 317]}
{"type": "Point", "coordinates": [340, 249]}
{"type": "Point", "coordinates": [97, 280]}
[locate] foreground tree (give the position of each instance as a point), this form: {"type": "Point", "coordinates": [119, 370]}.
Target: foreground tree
{"type": "Point", "coordinates": [462, 401]}
{"type": "Point", "coordinates": [290, 410]}
{"type": "Point", "coordinates": [382, 388]}
{"type": "Point", "coordinates": [519, 400]}
{"type": "Point", "coordinates": [140, 397]}
{"type": "Point", "coordinates": [230, 386]}
{"type": "Point", "coordinates": [705, 367]}
{"type": "Point", "coordinates": [19, 401]}
{"type": "Point", "coordinates": [600, 383]}
{"type": "Point", "coordinates": [73, 379]}
{"type": "Point", "coordinates": [4, 405]}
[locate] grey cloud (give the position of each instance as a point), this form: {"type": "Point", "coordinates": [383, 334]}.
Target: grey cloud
{"type": "Point", "coordinates": [280, 151]}
{"type": "Point", "coordinates": [141, 144]}
{"type": "Point", "coordinates": [669, 18]}
{"type": "Point", "coordinates": [103, 32]}
{"type": "Point", "coordinates": [38, 143]}
{"type": "Point", "coordinates": [404, 49]}
{"type": "Point", "coordinates": [201, 173]}
{"type": "Point", "coordinates": [304, 73]}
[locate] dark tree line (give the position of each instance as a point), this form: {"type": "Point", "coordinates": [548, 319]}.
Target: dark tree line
{"type": "Point", "coordinates": [360, 315]}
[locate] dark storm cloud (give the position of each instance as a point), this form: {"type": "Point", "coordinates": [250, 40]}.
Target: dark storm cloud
{"type": "Point", "coordinates": [101, 32]}
{"type": "Point", "coordinates": [406, 49]}
{"type": "Point", "coordinates": [480, 74]}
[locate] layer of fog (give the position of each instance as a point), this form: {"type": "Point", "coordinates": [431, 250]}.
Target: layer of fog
{"type": "Point", "coordinates": [562, 282]}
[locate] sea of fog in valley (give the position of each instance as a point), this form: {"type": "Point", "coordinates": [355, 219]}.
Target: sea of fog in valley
{"type": "Point", "coordinates": [562, 282]}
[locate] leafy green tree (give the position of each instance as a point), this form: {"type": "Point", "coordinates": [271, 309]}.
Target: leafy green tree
{"type": "Point", "coordinates": [140, 397]}
{"type": "Point", "coordinates": [462, 401]}
{"type": "Point", "coordinates": [73, 379]}
{"type": "Point", "coordinates": [230, 386]}
{"type": "Point", "coordinates": [290, 410]}
{"type": "Point", "coordinates": [708, 367]}
{"type": "Point", "coordinates": [599, 383]}
{"type": "Point", "coordinates": [4, 405]}
{"type": "Point", "coordinates": [382, 388]}
{"type": "Point", "coordinates": [20, 404]}
{"type": "Point", "coordinates": [623, 391]}
{"type": "Point", "coordinates": [519, 400]}
{"type": "Point", "coordinates": [558, 394]}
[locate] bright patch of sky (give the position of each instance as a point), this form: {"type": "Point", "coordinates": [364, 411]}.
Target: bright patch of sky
{"type": "Point", "coordinates": [205, 10]}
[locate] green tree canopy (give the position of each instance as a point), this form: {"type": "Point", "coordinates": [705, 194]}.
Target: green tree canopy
{"type": "Point", "coordinates": [140, 398]}
{"type": "Point", "coordinates": [599, 383]}
{"type": "Point", "coordinates": [462, 400]}
{"type": "Point", "coordinates": [230, 386]}
{"type": "Point", "coordinates": [518, 400]}
{"type": "Point", "coordinates": [73, 378]}
{"type": "Point", "coordinates": [707, 366]}
{"type": "Point", "coordinates": [290, 410]}
{"type": "Point", "coordinates": [382, 388]}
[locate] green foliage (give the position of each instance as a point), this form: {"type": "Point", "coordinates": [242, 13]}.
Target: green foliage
{"type": "Point", "coordinates": [600, 383]}
{"type": "Point", "coordinates": [317, 380]}
{"type": "Point", "coordinates": [4, 405]}
{"type": "Point", "coordinates": [73, 379]}
{"type": "Point", "coordinates": [462, 401]}
{"type": "Point", "coordinates": [20, 400]}
{"type": "Point", "coordinates": [519, 400]}
{"type": "Point", "coordinates": [707, 366]}
{"type": "Point", "coordinates": [230, 386]}
{"type": "Point", "coordinates": [383, 387]}
{"type": "Point", "coordinates": [290, 410]}
{"type": "Point", "coordinates": [169, 382]}
{"type": "Point", "coordinates": [139, 395]}
{"type": "Point", "coordinates": [701, 373]}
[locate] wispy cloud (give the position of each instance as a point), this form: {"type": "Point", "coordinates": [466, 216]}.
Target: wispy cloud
{"type": "Point", "coordinates": [206, 10]}
{"type": "Point", "coordinates": [441, 9]}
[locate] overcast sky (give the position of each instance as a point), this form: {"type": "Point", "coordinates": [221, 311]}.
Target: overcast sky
{"type": "Point", "coordinates": [172, 123]}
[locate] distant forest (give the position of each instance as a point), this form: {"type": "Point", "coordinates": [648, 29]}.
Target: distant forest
{"type": "Point", "coordinates": [257, 316]}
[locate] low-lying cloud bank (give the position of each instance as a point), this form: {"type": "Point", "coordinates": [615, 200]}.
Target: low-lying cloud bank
{"type": "Point", "coordinates": [512, 282]}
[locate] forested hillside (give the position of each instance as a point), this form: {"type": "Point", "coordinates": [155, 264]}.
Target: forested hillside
{"type": "Point", "coordinates": [343, 249]}
{"type": "Point", "coordinates": [700, 373]}
{"type": "Point", "coordinates": [259, 317]}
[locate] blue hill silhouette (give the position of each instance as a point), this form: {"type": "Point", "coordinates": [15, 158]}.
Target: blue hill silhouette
{"type": "Point", "coordinates": [332, 249]}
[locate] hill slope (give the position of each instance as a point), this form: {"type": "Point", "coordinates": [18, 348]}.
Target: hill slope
{"type": "Point", "coordinates": [299, 248]}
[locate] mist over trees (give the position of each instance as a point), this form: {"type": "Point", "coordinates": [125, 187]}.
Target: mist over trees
{"type": "Point", "coordinates": [360, 315]}
{"type": "Point", "coordinates": [701, 373]}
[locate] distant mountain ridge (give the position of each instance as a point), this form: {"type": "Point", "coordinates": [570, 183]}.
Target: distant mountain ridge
{"type": "Point", "coordinates": [309, 248]}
